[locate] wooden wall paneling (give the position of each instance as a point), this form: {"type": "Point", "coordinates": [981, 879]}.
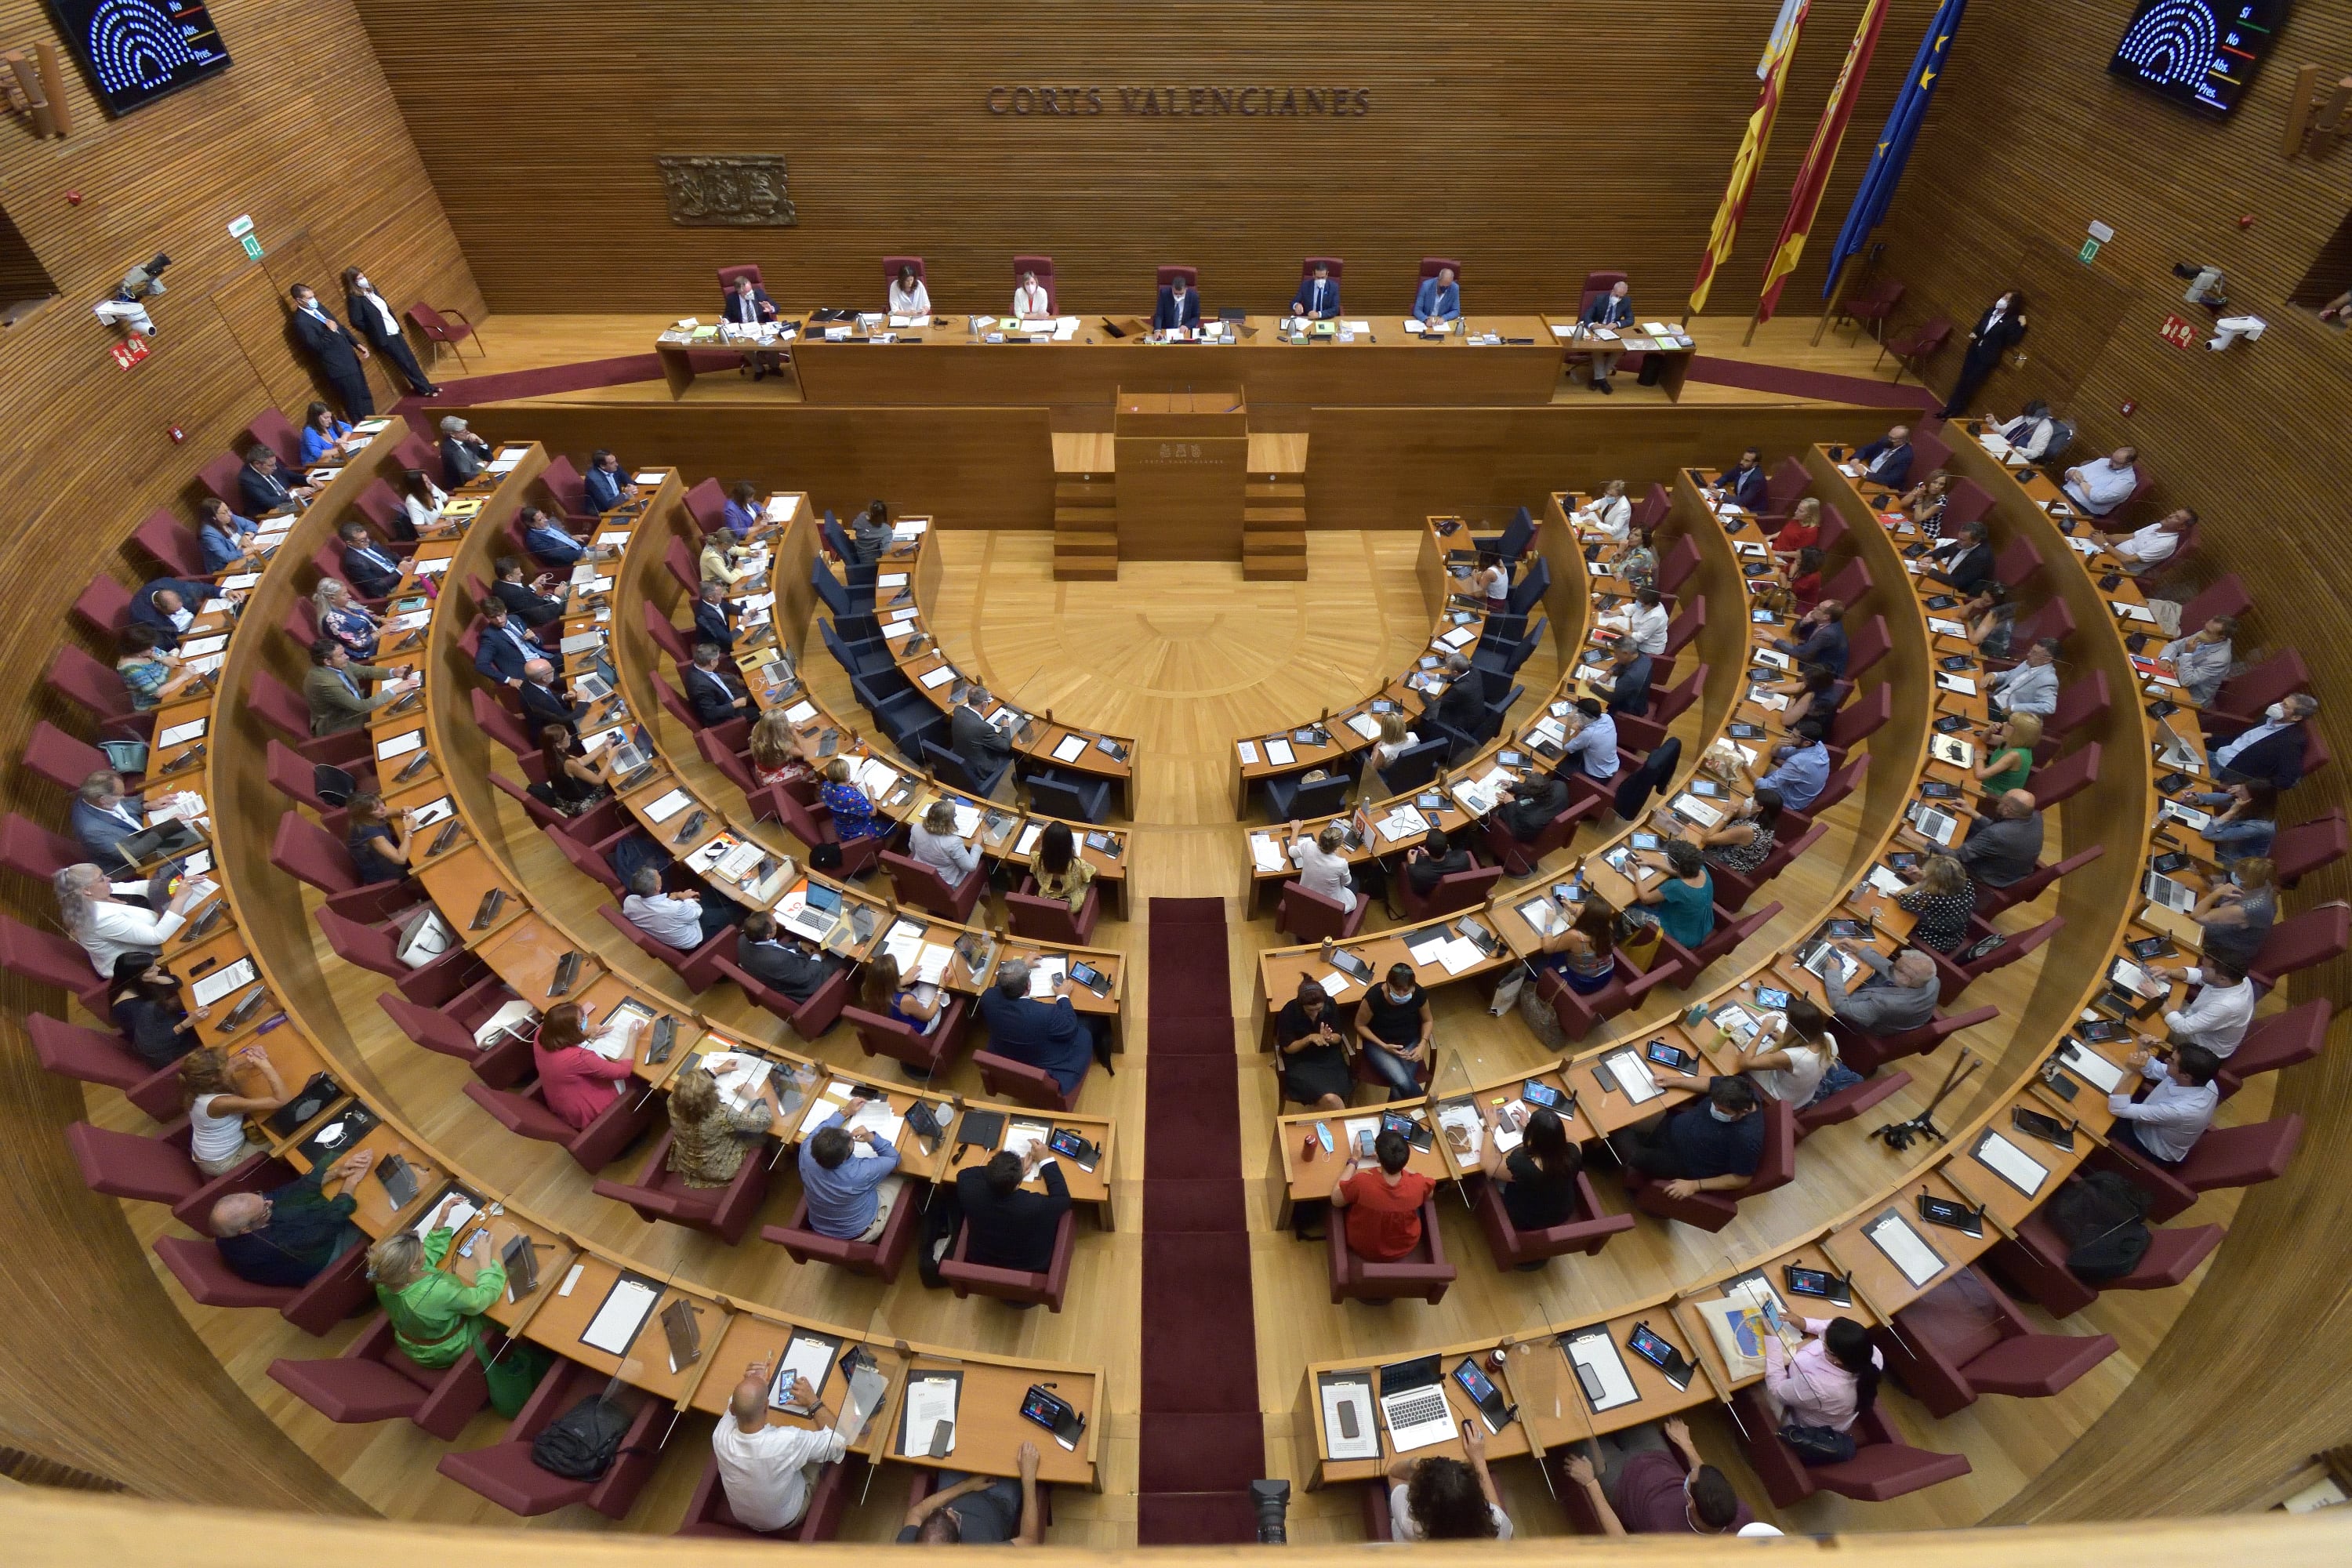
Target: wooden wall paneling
{"type": "Point", "coordinates": [249, 306]}
{"type": "Point", "coordinates": [98, 1369]}
{"type": "Point", "coordinates": [1507, 133]}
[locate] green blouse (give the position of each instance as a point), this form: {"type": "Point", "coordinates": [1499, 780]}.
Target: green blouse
{"type": "Point", "coordinates": [2016, 763]}
{"type": "Point", "coordinates": [436, 1318]}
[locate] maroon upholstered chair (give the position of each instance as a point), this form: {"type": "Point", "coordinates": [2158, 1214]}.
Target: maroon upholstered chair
{"type": "Point", "coordinates": [2225, 597]}
{"type": "Point", "coordinates": [923, 887]}
{"type": "Point", "coordinates": [1966, 1338]}
{"type": "Point", "coordinates": [1867, 646]}
{"type": "Point", "coordinates": [671, 640]}
{"type": "Point", "coordinates": [1004, 1079]}
{"type": "Point", "coordinates": [308, 852]}
{"type": "Point", "coordinates": [924, 1054]}
{"type": "Point", "coordinates": [706, 1513]}
{"type": "Point", "coordinates": [1310, 916]}
{"type": "Point", "coordinates": [46, 958]}
{"type": "Point", "coordinates": [2084, 701]}
{"type": "Point", "coordinates": [809, 1019]}
{"type": "Point", "coordinates": [2314, 936]}
{"type": "Point", "coordinates": [1713, 1211]}
{"type": "Point", "coordinates": [2310, 844]}
{"type": "Point", "coordinates": [1049, 920]}
{"type": "Point", "coordinates": [99, 1056]}
{"type": "Point", "coordinates": [1043, 266]}
{"type": "Point", "coordinates": [506, 1474]}
{"type": "Point", "coordinates": [1669, 704]}
{"type": "Point", "coordinates": [1453, 892]}
{"type": "Point", "coordinates": [373, 1381]}
{"type": "Point", "coordinates": [1855, 723]}
{"type": "Point", "coordinates": [1423, 1272]}
{"type": "Point", "coordinates": [95, 689]}
{"type": "Point", "coordinates": [1168, 274]}
{"type": "Point", "coordinates": [442, 332]}
{"type": "Point", "coordinates": [1847, 1103]}
{"type": "Point", "coordinates": [1992, 901]}
{"type": "Point", "coordinates": [32, 850]}
{"type": "Point", "coordinates": [1687, 964]}
{"type": "Point", "coordinates": [1733, 890]}
{"type": "Point", "coordinates": [281, 708]}
{"type": "Point", "coordinates": [812, 825]}
{"type": "Point", "coordinates": [104, 607]}
{"type": "Point", "coordinates": [1882, 1467]}
{"type": "Point", "coordinates": [170, 544]}
{"type": "Point", "coordinates": [158, 1169]}
{"type": "Point", "coordinates": [337, 1290]}
{"type": "Point", "coordinates": [2223, 1157]}
{"type": "Point", "coordinates": [728, 275]}
{"type": "Point", "coordinates": [2069, 775]}
{"type": "Point", "coordinates": [1586, 1229]}
{"type": "Point", "coordinates": [2032, 1263]}
{"type": "Point", "coordinates": [1958, 977]}
{"type": "Point", "coordinates": [218, 477]}
{"type": "Point", "coordinates": [880, 1258]}
{"type": "Point", "coordinates": [659, 1192]}
{"type": "Point", "coordinates": [1851, 585]}
{"type": "Point", "coordinates": [891, 264]}
{"type": "Point", "coordinates": [1580, 1012]}
{"type": "Point", "coordinates": [591, 1147]}
{"type": "Point", "coordinates": [1676, 564]}
{"type": "Point", "coordinates": [706, 504]}
{"type": "Point", "coordinates": [699, 969]}
{"type": "Point", "coordinates": [1873, 305]}
{"type": "Point", "coordinates": [1433, 265]}
{"type": "Point", "coordinates": [1338, 267]}
{"type": "Point", "coordinates": [2281, 1040]}
{"type": "Point", "coordinates": [1521, 859]}
{"type": "Point", "coordinates": [450, 1031]}
{"type": "Point", "coordinates": [2053, 619]}
{"type": "Point", "coordinates": [1968, 501]}
{"type": "Point", "coordinates": [1022, 1286]}
{"type": "Point", "coordinates": [1913, 349]}
{"type": "Point", "coordinates": [296, 777]}
{"type": "Point", "coordinates": [571, 491]}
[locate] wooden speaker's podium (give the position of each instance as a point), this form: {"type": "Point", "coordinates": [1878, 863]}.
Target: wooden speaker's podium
{"type": "Point", "coordinates": [1182, 474]}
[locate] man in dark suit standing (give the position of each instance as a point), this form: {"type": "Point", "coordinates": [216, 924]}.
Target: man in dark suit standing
{"type": "Point", "coordinates": [370, 316]}
{"type": "Point", "coordinates": [981, 746]}
{"type": "Point", "coordinates": [1887, 460]}
{"type": "Point", "coordinates": [1611, 309]}
{"type": "Point", "coordinates": [1179, 306]}
{"type": "Point", "coordinates": [1995, 334]}
{"type": "Point", "coordinates": [780, 966]}
{"type": "Point", "coordinates": [263, 486]}
{"type": "Point", "coordinates": [336, 351]}
{"type": "Point", "coordinates": [710, 624]}
{"type": "Point", "coordinates": [713, 696]}
{"type": "Point", "coordinates": [1317, 298]}
{"type": "Point", "coordinates": [372, 570]}
{"type": "Point", "coordinates": [1004, 1226]}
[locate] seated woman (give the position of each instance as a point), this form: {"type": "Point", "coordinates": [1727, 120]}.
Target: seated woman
{"type": "Point", "coordinates": [1491, 581]}
{"type": "Point", "coordinates": [1685, 897]}
{"type": "Point", "coordinates": [1829, 1380]}
{"type": "Point", "coordinates": [1940, 901]}
{"type": "Point", "coordinates": [917, 1007]}
{"type": "Point", "coordinates": [1924, 502]}
{"type": "Point", "coordinates": [852, 813]}
{"type": "Point", "coordinates": [2009, 754]}
{"type": "Point", "coordinates": [1395, 737]}
{"type": "Point", "coordinates": [322, 435]}
{"type": "Point", "coordinates": [1324, 868]}
{"type": "Point", "coordinates": [578, 1083]}
{"type": "Point", "coordinates": [380, 850]}
{"type": "Point", "coordinates": [1584, 951]}
{"type": "Point", "coordinates": [1609, 514]}
{"type": "Point", "coordinates": [1538, 1178]}
{"type": "Point", "coordinates": [1382, 1205]}
{"type": "Point", "coordinates": [1059, 871]}
{"type": "Point", "coordinates": [707, 1141]}
{"type": "Point", "coordinates": [108, 926]}
{"type": "Point", "coordinates": [1440, 1498]}
{"type": "Point", "coordinates": [146, 1007]}
{"type": "Point", "coordinates": [1803, 531]}
{"type": "Point", "coordinates": [1639, 565]}
{"type": "Point", "coordinates": [436, 1313]}
{"type": "Point", "coordinates": [1991, 618]}
{"type": "Point", "coordinates": [1805, 580]}
{"type": "Point", "coordinates": [1312, 1049]}
{"type": "Point", "coordinates": [934, 842]}
{"type": "Point", "coordinates": [907, 295]}
{"type": "Point", "coordinates": [2247, 826]}
{"type": "Point", "coordinates": [217, 1105]}
{"type": "Point", "coordinates": [345, 620]}
{"type": "Point", "coordinates": [1392, 1024]}
{"type": "Point", "coordinates": [1797, 1065]}
{"type": "Point", "coordinates": [775, 752]}
{"type": "Point", "coordinates": [421, 502]}
{"type": "Point", "coordinates": [574, 784]}
{"type": "Point", "coordinates": [718, 557]}
{"type": "Point", "coordinates": [2235, 916]}
{"type": "Point", "coordinates": [145, 668]}
{"type": "Point", "coordinates": [1812, 691]}
{"type": "Point", "coordinates": [1742, 842]}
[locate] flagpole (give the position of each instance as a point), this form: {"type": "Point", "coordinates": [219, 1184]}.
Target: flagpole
{"type": "Point", "coordinates": [1838, 281]}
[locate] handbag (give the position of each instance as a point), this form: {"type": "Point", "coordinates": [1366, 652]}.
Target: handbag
{"type": "Point", "coordinates": [125, 756]}
{"type": "Point", "coordinates": [425, 937]}
{"type": "Point", "coordinates": [1818, 1445]}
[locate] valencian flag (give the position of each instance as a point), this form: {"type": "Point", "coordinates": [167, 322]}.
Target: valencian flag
{"type": "Point", "coordinates": [1813, 175]}
{"type": "Point", "coordinates": [1778, 50]}
{"type": "Point", "coordinates": [1876, 191]}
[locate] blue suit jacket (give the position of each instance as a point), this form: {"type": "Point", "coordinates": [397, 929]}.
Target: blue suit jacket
{"type": "Point", "coordinates": [1047, 1035]}
{"type": "Point", "coordinates": [710, 625]}
{"type": "Point", "coordinates": [1745, 486]}
{"type": "Point", "coordinates": [1443, 304]}
{"type": "Point", "coordinates": [602, 490]}
{"type": "Point", "coordinates": [554, 546]}
{"type": "Point", "coordinates": [98, 832]}
{"type": "Point", "coordinates": [1885, 463]}
{"type": "Point", "coordinates": [498, 657]}
{"type": "Point", "coordinates": [1167, 315]}
{"type": "Point", "coordinates": [143, 613]}
{"type": "Point", "coordinates": [761, 309]}
{"type": "Point", "coordinates": [1608, 310]}
{"type": "Point", "coordinates": [1303, 303]}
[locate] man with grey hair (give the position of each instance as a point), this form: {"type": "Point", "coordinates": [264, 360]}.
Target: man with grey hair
{"type": "Point", "coordinates": [544, 702]}
{"type": "Point", "coordinates": [767, 1471]}
{"type": "Point", "coordinates": [2272, 752]}
{"type": "Point", "coordinates": [463, 453]}
{"type": "Point", "coordinates": [1047, 1035]}
{"type": "Point", "coordinates": [103, 815]}
{"type": "Point", "coordinates": [684, 921]}
{"type": "Point", "coordinates": [1462, 704]}
{"type": "Point", "coordinates": [2027, 688]}
{"type": "Point", "coordinates": [1900, 995]}
{"type": "Point", "coordinates": [983, 748]}
{"type": "Point", "coordinates": [287, 1236]}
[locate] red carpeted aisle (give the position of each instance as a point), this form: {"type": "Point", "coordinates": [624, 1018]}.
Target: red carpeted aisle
{"type": "Point", "coordinates": [1202, 1439]}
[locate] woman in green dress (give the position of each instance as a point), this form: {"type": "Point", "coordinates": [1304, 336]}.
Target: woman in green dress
{"type": "Point", "coordinates": [437, 1317]}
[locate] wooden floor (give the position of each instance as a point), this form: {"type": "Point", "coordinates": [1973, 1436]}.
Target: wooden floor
{"type": "Point", "coordinates": [519, 342]}
{"type": "Point", "coordinates": [1185, 657]}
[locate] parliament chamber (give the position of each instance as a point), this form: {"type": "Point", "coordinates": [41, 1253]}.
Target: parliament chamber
{"type": "Point", "coordinates": [1138, 748]}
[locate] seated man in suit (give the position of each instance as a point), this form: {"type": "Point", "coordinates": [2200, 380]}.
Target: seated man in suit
{"type": "Point", "coordinates": [554, 544]}
{"type": "Point", "coordinates": [167, 606]}
{"type": "Point", "coordinates": [2272, 752]}
{"type": "Point", "coordinates": [747, 304]}
{"type": "Point", "coordinates": [265, 487]}
{"type": "Point", "coordinates": [713, 695]}
{"type": "Point", "coordinates": [1742, 484]}
{"type": "Point", "coordinates": [1900, 993]}
{"type": "Point", "coordinates": [545, 702]}
{"type": "Point", "coordinates": [981, 746]}
{"type": "Point", "coordinates": [463, 453]}
{"type": "Point", "coordinates": [528, 602]}
{"type": "Point", "coordinates": [1461, 705]}
{"type": "Point", "coordinates": [226, 539]}
{"type": "Point", "coordinates": [504, 648]}
{"type": "Point", "coordinates": [1438, 301]}
{"type": "Point", "coordinates": [2002, 845]}
{"type": "Point", "coordinates": [1887, 460]}
{"type": "Point", "coordinates": [335, 350]}
{"type": "Point", "coordinates": [337, 701]}
{"type": "Point", "coordinates": [1434, 858]}
{"type": "Point", "coordinates": [1317, 298]}
{"type": "Point", "coordinates": [786, 966]}
{"type": "Point", "coordinates": [2031, 687]}
{"type": "Point", "coordinates": [1628, 681]}
{"type": "Point", "coordinates": [103, 815]}
{"type": "Point", "coordinates": [1004, 1226]}
{"type": "Point", "coordinates": [1964, 564]}
{"type": "Point", "coordinates": [287, 1236]}
{"type": "Point", "coordinates": [1048, 1036]}
{"type": "Point", "coordinates": [684, 920]}
{"type": "Point", "coordinates": [372, 570]}
{"type": "Point", "coordinates": [1179, 306]}
{"type": "Point", "coordinates": [1614, 310]}
{"type": "Point", "coordinates": [710, 623]}
{"type": "Point", "coordinates": [1528, 805]}
{"type": "Point", "coordinates": [1822, 638]}
{"type": "Point", "coordinates": [605, 485]}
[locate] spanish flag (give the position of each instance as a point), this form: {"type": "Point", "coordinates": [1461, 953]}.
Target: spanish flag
{"type": "Point", "coordinates": [1876, 191]}
{"type": "Point", "coordinates": [1773, 70]}
{"type": "Point", "coordinates": [1813, 175]}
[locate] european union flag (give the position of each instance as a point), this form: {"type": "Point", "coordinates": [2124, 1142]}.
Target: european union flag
{"type": "Point", "coordinates": [1876, 191]}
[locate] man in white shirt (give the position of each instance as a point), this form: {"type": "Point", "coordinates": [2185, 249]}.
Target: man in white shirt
{"type": "Point", "coordinates": [674, 919]}
{"type": "Point", "coordinates": [1029, 299]}
{"type": "Point", "coordinates": [2165, 1125]}
{"type": "Point", "coordinates": [2157, 542]}
{"type": "Point", "coordinates": [2100, 486]}
{"type": "Point", "coordinates": [1645, 623]}
{"type": "Point", "coordinates": [2217, 1017]}
{"type": "Point", "coordinates": [2029, 435]}
{"type": "Point", "coordinates": [1592, 744]}
{"type": "Point", "coordinates": [2032, 687]}
{"type": "Point", "coordinates": [767, 1471]}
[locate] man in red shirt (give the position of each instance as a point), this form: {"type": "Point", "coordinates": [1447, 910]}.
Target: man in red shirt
{"type": "Point", "coordinates": [1384, 1207]}
{"type": "Point", "coordinates": [1661, 1491]}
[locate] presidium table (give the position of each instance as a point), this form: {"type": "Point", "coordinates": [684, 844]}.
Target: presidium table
{"type": "Point", "coordinates": [983, 360]}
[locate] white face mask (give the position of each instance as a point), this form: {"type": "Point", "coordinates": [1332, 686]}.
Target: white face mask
{"type": "Point", "coordinates": [2275, 712]}
{"type": "Point", "coordinates": [1716, 1111]}
{"type": "Point", "coordinates": [365, 287]}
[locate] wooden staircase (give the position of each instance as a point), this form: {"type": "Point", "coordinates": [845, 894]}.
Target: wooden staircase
{"type": "Point", "coordinates": [1085, 524]}
{"type": "Point", "coordinates": [1273, 525]}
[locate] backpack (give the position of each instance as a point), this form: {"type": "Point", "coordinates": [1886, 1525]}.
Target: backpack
{"type": "Point", "coordinates": [634, 854]}
{"type": "Point", "coordinates": [1818, 1445]}
{"type": "Point", "coordinates": [335, 786]}
{"type": "Point", "coordinates": [2061, 436]}
{"type": "Point", "coordinates": [2102, 1219]}
{"type": "Point", "coordinates": [581, 1444]}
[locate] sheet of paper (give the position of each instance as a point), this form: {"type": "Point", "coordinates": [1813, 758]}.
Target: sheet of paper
{"type": "Point", "coordinates": [1279, 753]}
{"type": "Point", "coordinates": [902, 941]}
{"type": "Point", "coordinates": [400, 745]}
{"type": "Point", "coordinates": [878, 777]}
{"type": "Point", "coordinates": [1248, 750]}
{"type": "Point", "coordinates": [1364, 725]}
{"type": "Point", "coordinates": [930, 1405]}
{"type": "Point", "coordinates": [1597, 1353]}
{"type": "Point", "coordinates": [1405, 822]}
{"type": "Point", "coordinates": [2092, 1068]}
{"type": "Point", "coordinates": [1425, 950]}
{"type": "Point", "coordinates": [1461, 955]}
{"type": "Point", "coordinates": [1632, 1075]}
{"type": "Point", "coordinates": [1905, 1247]}
{"type": "Point", "coordinates": [931, 963]}
{"type": "Point", "coordinates": [1703, 813]}
{"type": "Point", "coordinates": [1265, 853]}
{"type": "Point", "coordinates": [899, 629]}
{"type": "Point", "coordinates": [668, 805]}
{"type": "Point", "coordinates": [1070, 748]}
{"type": "Point", "coordinates": [616, 1322]}
{"type": "Point", "coordinates": [2012, 1164]}
{"type": "Point", "coordinates": [1029, 837]}
{"type": "Point", "coordinates": [190, 730]}
{"type": "Point", "coordinates": [1044, 974]}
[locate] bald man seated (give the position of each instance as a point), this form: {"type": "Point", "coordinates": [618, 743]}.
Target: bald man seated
{"type": "Point", "coordinates": [767, 1471]}
{"type": "Point", "coordinates": [287, 1236]}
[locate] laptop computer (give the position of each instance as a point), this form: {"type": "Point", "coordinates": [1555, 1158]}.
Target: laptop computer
{"type": "Point", "coordinates": [1937, 824]}
{"type": "Point", "coordinates": [815, 918]}
{"type": "Point", "coordinates": [2163, 889]}
{"type": "Point", "coordinates": [1413, 1403]}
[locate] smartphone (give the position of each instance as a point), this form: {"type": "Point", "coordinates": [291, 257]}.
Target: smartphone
{"type": "Point", "coordinates": [1672, 1056]}
{"type": "Point", "coordinates": [2103, 1031]}
{"type": "Point", "coordinates": [1744, 731]}
{"type": "Point", "coordinates": [1707, 789]}
{"type": "Point", "coordinates": [2149, 947]}
{"type": "Point", "coordinates": [1817, 1283]}
{"type": "Point", "coordinates": [1952, 1216]}
{"type": "Point", "coordinates": [1957, 661]}
{"type": "Point", "coordinates": [1904, 860]}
